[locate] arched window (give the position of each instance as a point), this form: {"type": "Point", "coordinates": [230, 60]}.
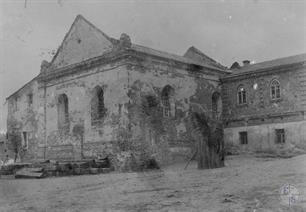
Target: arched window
{"type": "Point", "coordinates": [167, 101]}
{"type": "Point", "coordinates": [97, 104]}
{"type": "Point", "coordinates": [241, 95]}
{"type": "Point", "coordinates": [216, 105]}
{"type": "Point", "coordinates": [63, 111]}
{"type": "Point", "coordinates": [275, 89]}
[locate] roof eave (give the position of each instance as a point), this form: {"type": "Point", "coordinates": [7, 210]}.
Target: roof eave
{"type": "Point", "coordinates": [263, 70]}
{"type": "Point", "coordinates": [13, 94]}
{"type": "Point", "coordinates": [181, 61]}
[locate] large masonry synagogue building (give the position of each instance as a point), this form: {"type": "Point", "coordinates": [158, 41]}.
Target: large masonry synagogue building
{"type": "Point", "coordinates": [100, 96]}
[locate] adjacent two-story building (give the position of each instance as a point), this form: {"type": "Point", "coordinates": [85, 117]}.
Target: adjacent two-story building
{"type": "Point", "coordinates": [264, 104]}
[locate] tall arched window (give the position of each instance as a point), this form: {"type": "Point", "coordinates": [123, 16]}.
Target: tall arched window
{"type": "Point", "coordinates": [241, 95]}
{"type": "Point", "coordinates": [97, 104]}
{"type": "Point", "coordinates": [63, 111]}
{"type": "Point", "coordinates": [216, 105]}
{"type": "Point", "coordinates": [167, 101]}
{"type": "Point", "coordinates": [275, 89]}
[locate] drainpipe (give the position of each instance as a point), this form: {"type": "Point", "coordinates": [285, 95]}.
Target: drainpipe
{"type": "Point", "coordinates": [45, 119]}
{"type": "Point", "coordinates": [43, 69]}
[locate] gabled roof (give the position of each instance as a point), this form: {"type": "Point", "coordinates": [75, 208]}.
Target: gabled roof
{"type": "Point", "coordinates": [98, 43]}
{"type": "Point", "coordinates": [269, 65]}
{"type": "Point", "coordinates": [195, 54]}
{"type": "Point", "coordinates": [154, 52]}
{"type": "Point", "coordinates": [58, 60]}
{"type": "Point", "coordinates": [21, 87]}
{"type": "Point", "coordinates": [83, 41]}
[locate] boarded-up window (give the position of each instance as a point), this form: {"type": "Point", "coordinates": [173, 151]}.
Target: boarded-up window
{"type": "Point", "coordinates": [280, 136]}
{"type": "Point", "coordinates": [63, 111]}
{"type": "Point", "coordinates": [168, 101]}
{"type": "Point", "coordinates": [243, 137]}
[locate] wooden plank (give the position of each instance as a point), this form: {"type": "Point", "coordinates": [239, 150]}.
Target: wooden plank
{"type": "Point", "coordinates": [27, 173]}
{"type": "Point", "coordinates": [40, 169]}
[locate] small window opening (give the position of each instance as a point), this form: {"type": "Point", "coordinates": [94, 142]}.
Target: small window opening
{"type": "Point", "coordinates": [241, 95]}
{"type": "Point", "coordinates": [14, 104]}
{"type": "Point", "coordinates": [275, 90]}
{"type": "Point", "coordinates": [63, 111]}
{"type": "Point", "coordinates": [25, 140]}
{"type": "Point", "coordinates": [167, 101]}
{"type": "Point", "coordinates": [243, 136]}
{"type": "Point", "coordinates": [279, 136]}
{"type": "Point", "coordinates": [98, 109]}
{"type": "Point", "coordinates": [30, 99]}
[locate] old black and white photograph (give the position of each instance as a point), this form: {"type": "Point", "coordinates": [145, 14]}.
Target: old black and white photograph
{"type": "Point", "coordinates": [152, 105]}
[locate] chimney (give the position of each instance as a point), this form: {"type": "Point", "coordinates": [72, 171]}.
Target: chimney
{"type": "Point", "coordinates": [125, 41]}
{"type": "Point", "coordinates": [235, 65]}
{"type": "Point", "coordinates": [246, 62]}
{"type": "Point", "coordinates": [44, 66]}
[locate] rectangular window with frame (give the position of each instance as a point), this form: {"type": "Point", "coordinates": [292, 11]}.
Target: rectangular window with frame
{"type": "Point", "coordinates": [279, 136]}
{"type": "Point", "coordinates": [243, 137]}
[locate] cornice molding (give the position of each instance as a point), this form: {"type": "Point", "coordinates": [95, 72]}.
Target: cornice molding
{"type": "Point", "coordinates": [266, 116]}
{"type": "Point", "coordinates": [262, 72]}
{"type": "Point", "coordinates": [111, 57]}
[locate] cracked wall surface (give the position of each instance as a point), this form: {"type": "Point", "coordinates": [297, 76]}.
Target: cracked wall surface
{"type": "Point", "coordinates": [26, 117]}
{"type": "Point", "coordinates": [133, 121]}
{"type": "Point", "coordinates": [165, 138]}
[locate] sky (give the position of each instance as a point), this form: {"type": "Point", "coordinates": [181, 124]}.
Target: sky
{"type": "Point", "coordinates": [227, 31]}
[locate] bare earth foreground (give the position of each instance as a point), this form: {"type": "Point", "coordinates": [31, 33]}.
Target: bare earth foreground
{"type": "Point", "coordinates": [245, 184]}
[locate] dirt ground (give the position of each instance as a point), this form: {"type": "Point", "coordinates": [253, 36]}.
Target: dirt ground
{"type": "Point", "coordinates": [246, 184]}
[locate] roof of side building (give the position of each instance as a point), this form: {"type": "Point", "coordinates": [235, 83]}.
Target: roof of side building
{"type": "Point", "coordinates": [268, 65]}
{"type": "Point", "coordinates": [21, 88]}
{"type": "Point", "coordinates": [154, 52]}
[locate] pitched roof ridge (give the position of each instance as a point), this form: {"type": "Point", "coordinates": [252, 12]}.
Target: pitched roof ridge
{"type": "Point", "coordinates": [78, 17]}
{"type": "Point", "coordinates": [162, 51]}
{"type": "Point", "coordinates": [22, 87]}
{"type": "Point", "coordinates": [198, 51]}
{"type": "Point", "coordinates": [269, 65]}
{"type": "Point", "coordinates": [276, 59]}
{"type": "Point", "coordinates": [177, 57]}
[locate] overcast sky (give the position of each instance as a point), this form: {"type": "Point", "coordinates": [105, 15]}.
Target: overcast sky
{"type": "Point", "coordinates": [227, 31]}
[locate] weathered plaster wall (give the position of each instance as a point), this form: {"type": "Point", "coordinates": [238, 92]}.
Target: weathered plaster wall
{"type": "Point", "coordinates": [132, 82]}
{"type": "Point", "coordinates": [262, 137]}
{"type": "Point", "coordinates": [25, 117]}
{"type": "Point", "coordinates": [82, 42]}
{"type": "Point", "coordinates": [164, 138]}
{"type": "Point", "coordinates": [98, 139]}
{"type": "Point", "coordinates": [128, 124]}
